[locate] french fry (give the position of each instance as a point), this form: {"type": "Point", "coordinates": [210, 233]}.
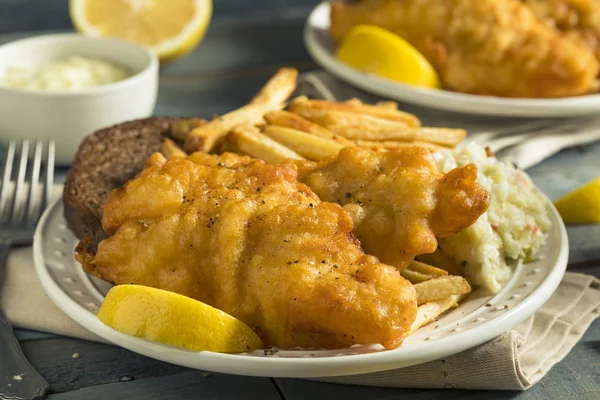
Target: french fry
{"type": "Point", "coordinates": [278, 88]}
{"type": "Point", "coordinates": [428, 312]}
{"type": "Point", "coordinates": [270, 98]}
{"type": "Point", "coordinates": [250, 141]}
{"type": "Point", "coordinates": [261, 125]}
{"type": "Point", "coordinates": [418, 272]}
{"type": "Point", "coordinates": [440, 288]}
{"type": "Point", "coordinates": [391, 145]}
{"type": "Point", "coordinates": [287, 119]}
{"type": "Point", "coordinates": [300, 99]}
{"type": "Point", "coordinates": [390, 105]}
{"type": "Point", "coordinates": [367, 127]}
{"type": "Point", "coordinates": [317, 108]}
{"type": "Point", "coordinates": [443, 136]}
{"type": "Point", "coordinates": [426, 268]}
{"type": "Point", "coordinates": [415, 277]}
{"type": "Point", "coordinates": [361, 126]}
{"type": "Point", "coordinates": [442, 261]}
{"type": "Point", "coordinates": [354, 101]}
{"type": "Point", "coordinates": [227, 146]}
{"type": "Point", "coordinates": [310, 146]}
{"type": "Point", "coordinates": [155, 160]}
{"type": "Point", "coordinates": [182, 128]}
{"type": "Point", "coordinates": [170, 148]}
{"type": "Point", "coordinates": [205, 137]}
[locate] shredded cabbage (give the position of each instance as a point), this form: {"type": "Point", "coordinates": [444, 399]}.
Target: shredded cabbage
{"type": "Point", "coordinates": [514, 227]}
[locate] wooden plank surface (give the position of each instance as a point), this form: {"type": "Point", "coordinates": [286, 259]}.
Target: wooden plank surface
{"type": "Point", "coordinates": [560, 175]}
{"type": "Point", "coordinates": [247, 46]}
{"type": "Point", "coordinates": [234, 60]}
{"type": "Point", "coordinates": [35, 15]}
{"type": "Point", "coordinates": [188, 385]}
{"type": "Point", "coordinates": [95, 363]}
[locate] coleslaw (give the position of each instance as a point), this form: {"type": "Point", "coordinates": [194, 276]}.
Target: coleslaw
{"type": "Point", "coordinates": [514, 227]}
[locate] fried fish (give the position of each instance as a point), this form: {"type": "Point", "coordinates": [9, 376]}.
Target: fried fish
{"type": "Point", "coordinates": [250, 239]}
{"type": "Point", "coordinates": [398, 199]}
{"type": "Point", "coordinates": [486, 47]}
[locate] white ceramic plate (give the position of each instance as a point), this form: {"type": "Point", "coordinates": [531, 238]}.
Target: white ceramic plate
{"type": "Point", "coordinates": [321, 47]}
{"type": "Point", "coordinates": [478, 319]}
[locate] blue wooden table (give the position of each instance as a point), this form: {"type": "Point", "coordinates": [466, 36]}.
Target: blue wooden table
{"type": "Point", "coordinates": [246, 43]}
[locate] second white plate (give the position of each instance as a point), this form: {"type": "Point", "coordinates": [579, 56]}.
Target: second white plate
{"type": "Point", "coordinates": [321, 47]}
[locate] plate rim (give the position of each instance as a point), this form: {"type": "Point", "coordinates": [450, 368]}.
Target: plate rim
{"type": "Point", "coordinates": [316, 367]}
{"type": "Point", "coordinates": [440, 99]}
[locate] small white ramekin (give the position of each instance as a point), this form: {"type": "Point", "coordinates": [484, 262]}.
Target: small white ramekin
{"type": "Point", "coordinates": [68, 116]}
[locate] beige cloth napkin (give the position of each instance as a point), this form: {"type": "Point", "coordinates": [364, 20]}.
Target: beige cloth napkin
{"type": "Point", "coordinates": [514, 361]}
{"type": "Point", "coordinates": [26, 305]}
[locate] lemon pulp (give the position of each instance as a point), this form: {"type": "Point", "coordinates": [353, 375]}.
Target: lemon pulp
{"type": "Point", "coordinates": [172, 29]}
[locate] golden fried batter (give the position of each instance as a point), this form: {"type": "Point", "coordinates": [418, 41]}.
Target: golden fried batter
{"type": "Point", "coordinates": [398, 199]}
{"type": "Point", "coordinates": [487, 47]}
{"type": "Point", "coordinates": [249, 239]}
{"type": "Point", "coordinates": [577, 20]}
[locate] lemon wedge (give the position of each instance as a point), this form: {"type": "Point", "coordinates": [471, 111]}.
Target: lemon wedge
{"type": "Point", "coordinates": [176, 320]}
{"type": "Point", "coordinates": [581, 206]}
{"type": "Point", "coordinates": [375, 50]}
{"type": "Point", "coordinates": [171, 28]}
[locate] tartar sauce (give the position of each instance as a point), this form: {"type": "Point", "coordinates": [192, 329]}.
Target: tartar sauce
{"type": "Point", "coordinates": [69, 74]}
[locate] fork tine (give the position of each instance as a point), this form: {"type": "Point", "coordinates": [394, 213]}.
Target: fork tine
{"type": "Point", "coordinates": [48, 176]}
{"type": "Point", "coordinates": [32, 212]}
{"type": "Point", "coordinates": [10, 155]}
{"type": "Point", "coordinates": [18, 199]}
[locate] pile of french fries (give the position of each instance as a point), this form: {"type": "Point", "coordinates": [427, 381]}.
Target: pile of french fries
{"type": "Point", "coordinates": [437, 289]}
{"type": "Point", "coordinates": [273, 128]}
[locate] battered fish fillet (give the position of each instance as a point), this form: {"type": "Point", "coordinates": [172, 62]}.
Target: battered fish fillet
{"type": "Point", "coordinates": [248, 238]}
{"type": "Point", "coordinates": [487, 47]}
{"type": "Point", "coordinates": [577, 20]}
{"type": "Point", "coordinates": [398, 199]}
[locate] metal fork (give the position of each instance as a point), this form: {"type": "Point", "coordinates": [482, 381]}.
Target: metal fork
{"type": "Point", "coordinates": [21, 205]}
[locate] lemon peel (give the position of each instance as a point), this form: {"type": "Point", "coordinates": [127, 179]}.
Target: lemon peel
{"type": "Point", "coordinates": [375, 50]}
{"type": "Point", "coordinates": [170, 318]}
{"type": "Point", "coordinates": [581, 206]}
{"type": "Point", "coordinates": [172, 29]}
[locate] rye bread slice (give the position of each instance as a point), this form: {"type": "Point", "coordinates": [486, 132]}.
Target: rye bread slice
{"type": "Point", "coordinates": [106, 160]}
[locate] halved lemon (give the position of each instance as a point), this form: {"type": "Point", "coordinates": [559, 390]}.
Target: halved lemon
{"type": "Point", "coordinates": [172, 28]}
{"type": "Point", "coordinates": [581, 206]}
{"type": "Point", "coordinates": [176, 320]}
{"type": "Point", "coordinates": [378, 51]}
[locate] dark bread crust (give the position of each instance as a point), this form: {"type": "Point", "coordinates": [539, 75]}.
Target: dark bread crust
{"type": "Point", "coordinates": [106, 160]}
